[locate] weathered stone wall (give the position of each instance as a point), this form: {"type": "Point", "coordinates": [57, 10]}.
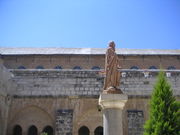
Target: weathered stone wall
{"type": "Point", "coordinates": [33, 97]}
{"type": "Point", "coordinates": [135, 122]}
{"type": "Point", "coordinates": [6, 86]}
{"type": "Point", "coordinates": [84, 83]}
{"type": "Point", "coordinates": [132, 122]}
{"type": "Point", "coordinates": [141, 83]}
{"type": "Point", "coordinates": [42, 111]}
{"type": "Point", "coordinates": [41, 93]}
{"type": "Point", "coordinates": [64, 122]}
{"type": "Point", "coordinates": [57, 83]}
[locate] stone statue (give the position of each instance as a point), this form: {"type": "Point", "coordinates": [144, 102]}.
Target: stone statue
{"type": "Point", "coordinates": [112, 78]}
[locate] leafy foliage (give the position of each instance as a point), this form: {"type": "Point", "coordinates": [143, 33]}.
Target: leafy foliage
{"type": "Point", "coordinates": [164, 110]}
{"type": "Point", "coordinates": [44, 133]}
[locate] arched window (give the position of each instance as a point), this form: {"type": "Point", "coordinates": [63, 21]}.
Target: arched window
{"type": "Point", "coordinates": [134, 67]}
{"type": "Point", "coordinates": [21, 67]}
{"type": "Point", "coordinates": [98, 131]}
{"type": "Point", "coordinates": [48, 130]}
{"type": "Point", "coordinates": [171, 68]}
{"type": "Point", "coordinates": [83, 131]}
{"type": "Point", "coordinates": [39, 67]}
{"type": "Point", "coordinates": [77, 68]}
{"type": "Point", "coordinates": [17, 130]}
{"type": "Point", "coordinates": [32, 130]}
{"type": "Point", "coordinates": [57, 67]}
{"type": "Point", "coordinates": [95, 68]}
{"type": "Point", "coordinates": [152, 67]}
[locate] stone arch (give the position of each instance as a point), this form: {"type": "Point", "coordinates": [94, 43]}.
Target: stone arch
{"type": "Point", "coordinates": [31, 115]}
{"type": "Point", "coordinates": [17, 130]}
{"type": "Point", "coordinates": [98, 130]}
{"type": "Point", "coordinates": [83, 130]}
{"type": "Point", "coordinates": [49, 130]}
{"type": "Point", "coordinates": [91, 118]}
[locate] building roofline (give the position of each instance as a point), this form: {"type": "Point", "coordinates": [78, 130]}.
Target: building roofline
{"type": "Point", "coordinates": [84, 51]}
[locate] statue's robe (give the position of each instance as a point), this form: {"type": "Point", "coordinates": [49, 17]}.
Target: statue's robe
{"type": "Point", "coordinates": [111, 69]}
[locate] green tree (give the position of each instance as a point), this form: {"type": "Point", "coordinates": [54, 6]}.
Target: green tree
{"type": "Point", "coordinates": [164, 117]}
{"type": "Point", "coordinates": [44, 133]}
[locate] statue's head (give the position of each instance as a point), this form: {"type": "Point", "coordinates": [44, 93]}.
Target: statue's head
{"type": "Point", "coordinates": [112, 45]}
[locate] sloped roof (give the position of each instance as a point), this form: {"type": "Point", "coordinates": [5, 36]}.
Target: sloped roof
{"type": "Point", "coordinates": [84, 51]}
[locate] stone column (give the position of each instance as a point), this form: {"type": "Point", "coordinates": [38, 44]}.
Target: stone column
{"type": "Point", "coordinates": [112, 106]}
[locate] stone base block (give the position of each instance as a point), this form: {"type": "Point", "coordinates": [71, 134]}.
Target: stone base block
{"type": "Point", "coordinates": [112, 100]}
{"type": "Point", "coordinates": [112, 90]}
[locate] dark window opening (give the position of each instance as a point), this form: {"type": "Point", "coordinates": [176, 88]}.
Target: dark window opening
{"type": "Point", "coordinates": [83, 131]}
{"type": "Point", "coordinates": [152, 67]}
{"type": "Point", "coordinates": [134, 67]}
{"type": "Point", "coordinates": [58, 67]}
{"type": "Point", "coordinates": [17, 130]}
{"type": "Point", "coordinates": [21, 67]}
{"type": "Point", "coordinates": [48, 130]}
{"type": "Point", "coordinates": [95, 68]}
{"type": "Point", "coordinates": [39, 67]}
{"type": "Point", "coordinates": [171, 68]}
{"type": "Point", "coordinates": [98, 131]}
{"type": "Point", "coordinates": [32, 130]}
{"type": "Point", "coordinates": [77, 68]}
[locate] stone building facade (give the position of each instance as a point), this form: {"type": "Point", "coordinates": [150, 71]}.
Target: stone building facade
{"type": "Point", "coordinates": [56, 90]}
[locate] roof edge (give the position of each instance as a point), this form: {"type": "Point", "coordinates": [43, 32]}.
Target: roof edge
{"type": "Point", "coordinates": [85, 51]}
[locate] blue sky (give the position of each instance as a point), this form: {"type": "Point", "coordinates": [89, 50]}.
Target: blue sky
{"type": "Point", "coordinates": [137, 24]}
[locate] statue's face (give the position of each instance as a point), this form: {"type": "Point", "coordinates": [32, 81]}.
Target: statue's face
{"type": "Point", "coordinates": [112, 45]}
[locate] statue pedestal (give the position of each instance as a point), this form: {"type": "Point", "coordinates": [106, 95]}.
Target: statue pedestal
{"type": "Point", "coordinates": [112, 106]}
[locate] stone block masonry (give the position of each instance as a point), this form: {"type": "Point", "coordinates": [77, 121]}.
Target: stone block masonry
{"type": "Point", "coordinates": [135, 122]}
{"type": "Point", "coordinates": [64, 122]}
{"type": "Point", "coordinates": [57, 83]}
{"type": "Point", "coordinates": [87, 83]}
